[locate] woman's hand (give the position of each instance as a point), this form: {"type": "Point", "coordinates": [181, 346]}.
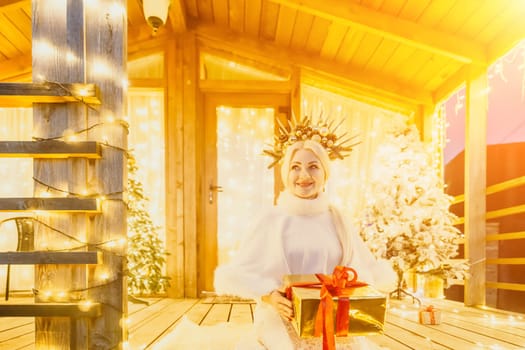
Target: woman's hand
{"type": "Point", "coordinates": [280, 303]}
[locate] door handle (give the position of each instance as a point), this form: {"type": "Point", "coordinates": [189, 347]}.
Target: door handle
{"type": "Point", "coordinates": [211, 189]}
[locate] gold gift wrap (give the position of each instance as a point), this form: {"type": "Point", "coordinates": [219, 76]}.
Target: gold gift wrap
{"type": "Point", "coordinates": [367, 307]}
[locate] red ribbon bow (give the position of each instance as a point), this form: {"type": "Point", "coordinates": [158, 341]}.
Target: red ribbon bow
{"type": "Point", "coordinates": [432, 310]}
{"type": "Point", "coordinates": [337, 285]}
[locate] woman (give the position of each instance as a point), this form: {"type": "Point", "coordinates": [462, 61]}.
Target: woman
{"type": "Point", "coordinates": [303, 234]}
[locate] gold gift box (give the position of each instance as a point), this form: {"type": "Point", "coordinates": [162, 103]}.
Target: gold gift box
{"type": "Point", "coordinates": [367, 307]}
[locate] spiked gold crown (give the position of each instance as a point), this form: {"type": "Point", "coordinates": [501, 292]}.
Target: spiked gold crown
{"type": "Point", "coordinates": [323, 132]}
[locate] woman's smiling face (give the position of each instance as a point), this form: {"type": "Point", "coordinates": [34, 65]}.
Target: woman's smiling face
{"type": "Point", "coordinates": [306, 177]}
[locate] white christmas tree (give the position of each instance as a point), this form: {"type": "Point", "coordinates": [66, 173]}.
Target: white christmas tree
{"type": "Point", "coordinates": [407, 219]}
{"type": "Point", "coordinates": [146, 255]}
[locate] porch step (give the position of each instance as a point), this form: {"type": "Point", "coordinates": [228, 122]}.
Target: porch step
{"type": "Point", "coordinates": [60, 204]}
{"type": "Point", "coordinates": [75, 310]}
{"type": "Point", "coordinates": [25, 94]}
{"type": "Point", "coordinates": [50, 149]}
{"type": "Point", "coordinates": [48, 257]}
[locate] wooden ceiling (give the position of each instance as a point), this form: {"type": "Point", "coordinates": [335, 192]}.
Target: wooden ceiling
{"type": "Point", "coordinates": [401, 54]}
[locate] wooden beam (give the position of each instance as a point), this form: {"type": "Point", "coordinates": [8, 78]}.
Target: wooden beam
{"type": "Point", "coordinates": [51, 310]}
{"type": "Point", "coordinates": [140, 48]}
{"type": "Point", "coordinates": [24, 94]}
{"type": "Point", "coordinates": [17, 68]}
{"type": "Point", "coordinates": [153, 83]}
{"type": "Point", "coordinates": [352, 90]}
{"type": "Point", "coordinates": [177, 16]}
{"type": "Point", "coordinates": [451, 85]}
{"type": "Point", "coordinates": [394, 28]}
{"type": "Point", "coordinates": [50, 149]}
{"type": "Point", "coordinates": [279, 70]}
{"type": "Point", "coordinates": [49, 257]}
{"type": "Point", "coordinates": [266, 51]}
{"type": "Point", "coordinates": [245, 86]}
{"type": "Point", "coordinates": [64, 205]}
{"type": "Point", "coordinates": [6, 5]}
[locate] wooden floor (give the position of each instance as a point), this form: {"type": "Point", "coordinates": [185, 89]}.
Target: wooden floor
{"type": "Point", "coordinates": [461, 327]}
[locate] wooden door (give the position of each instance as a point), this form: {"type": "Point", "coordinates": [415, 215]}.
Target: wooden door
{"type": "Point", "coordinates": [211, 188]}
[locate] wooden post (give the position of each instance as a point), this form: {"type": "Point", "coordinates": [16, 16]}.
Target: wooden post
{"type": "Point", "coordinates": [183, 165]}
{"type": "Point", "coordinates": [106, 57]}
{"type": "Point", "coordinates": [193, 130]}
{"type": "Point", "coordinates": [58, 28]}
{"type": "Point", "coordinates": [174, 170]}
{"type": "Point", "coordinates": [475, 184]}
{"type": "Point", "coordinates": [75, 43]}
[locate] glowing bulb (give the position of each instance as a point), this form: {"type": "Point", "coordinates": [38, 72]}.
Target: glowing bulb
{"type": "Point", "coordinates": [83, 92]}
{"type": "Point", "coordinates": [70, 57]}
{"type": "Point", "coordinates": [85, 305]}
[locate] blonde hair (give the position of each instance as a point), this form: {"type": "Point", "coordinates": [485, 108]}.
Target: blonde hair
{"type": "Point", "coordinates": [313, 146]}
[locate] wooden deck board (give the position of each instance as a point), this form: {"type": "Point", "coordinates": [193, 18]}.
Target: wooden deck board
{"type": "Point", "coordinates": [218, 313]}
{"type": "Point", "coordinates": [150, 328]}
{"type": "Point", "coordinates": [461, 328]}
{"type": "Point", "coordinates": [241, 313]}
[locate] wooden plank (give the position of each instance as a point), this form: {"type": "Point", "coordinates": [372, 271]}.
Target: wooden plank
{"type": "Point", "coordinates": [220, 12]}
{"type": "Point", "coordinates": [252, 20]}
{"type": "Point", "coordinates": [145, 315]}
{"type": "Point", "coordinates": [507, 286]}
{"type": "Point", "coordinates": [177, 16]}
{"type": "Point", "coordinates": [24, 94]}
{"type": "Point", "coordinates": [401, 338]}
{"type": "Point", "coordinates": [218, 313]}
{"type": "Point", "coordinates": [387, 342]}
{"type": "Point", "coordinates": [18, 338]}
{"type": "Point", "coordinates": [199, 312]}
{"type": "Point", "coordinates": [48, 257]}
{"type": "Point", "coordinates": [507, 261]}
{"type": "Point", "coordinates": [285, 26]}
{"type": "Point", "coordinates": [162, 323]}
{"type": "Point", "coordinates": [51, 310]}
{"type": "Point", "coordinates": [69, 205]}
{"type": "Point", "coordinates": [334, 39]}
{"type": "Point", "coordinates": [493, 214]}
{"type": "Point", "coordinates": [434, 333]}
{"type": "Point", "coordinates": [241, 313]}
{"type": "Point", "coordinates": [50, 149]}
{"type": "Point", "coordinates": [15, 327]}
{"type": "Point", "coordinates": [393, 28]}
{"type": "Point", "coordinates": [500, 333]}
{"type": "Point", "coordinates": [506, 236]}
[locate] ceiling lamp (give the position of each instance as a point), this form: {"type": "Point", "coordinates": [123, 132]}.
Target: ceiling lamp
{"type": "Point", "coordinates": [155, 12]}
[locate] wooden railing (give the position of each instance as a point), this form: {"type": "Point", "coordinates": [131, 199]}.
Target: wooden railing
{"type": "Point", "coordinates": [494, 214]}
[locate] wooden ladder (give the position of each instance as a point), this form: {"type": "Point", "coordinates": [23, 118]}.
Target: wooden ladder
{"type": "Point", "coordinates": [23, 95]}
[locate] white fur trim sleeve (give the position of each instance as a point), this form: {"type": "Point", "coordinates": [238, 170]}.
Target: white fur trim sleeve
{"type": "Point", "coordinates": [258, 266]}
{"type": "Point", "coordinates": [232, 280]}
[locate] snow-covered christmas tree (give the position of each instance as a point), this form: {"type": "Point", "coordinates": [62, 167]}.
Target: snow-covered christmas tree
{"type": "Point", "coordinates": [146, 255]}
{"type": "Point", "coordinates": [406, 218]}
